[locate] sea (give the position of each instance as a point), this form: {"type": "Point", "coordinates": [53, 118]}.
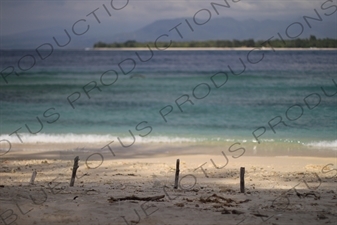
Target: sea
{"type": "Point", "coordinates": [130, 97]}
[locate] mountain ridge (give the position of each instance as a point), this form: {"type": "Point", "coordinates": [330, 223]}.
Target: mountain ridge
{"type": "Point", "coordinates": [222, 28]}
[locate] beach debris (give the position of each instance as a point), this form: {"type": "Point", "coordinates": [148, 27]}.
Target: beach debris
{"type": "Point", "coordinates": [259, 215]}
{"type": "Point", "coordinates": [120, 174]}
{"type": "Point", "coordinates": [316, 197]}
{"type": "Point", "coordinates": [2, 186]}
{"type": "Point", "coordinates": [244, 201]}
{"type": "Point", "coordinates": [242, 179]}
{"type": "Point", "coordinates": [226, 211]}
{"type": "Point", "coordinates": [176, 179]}
{"type": "Point", "coordinates": [32, 179]}
{"type": "Point", "coordinates": [218, 199]}
{"type": "Point", "coordinates": [75, 197]}
{"type": "Point", "coordinates": [133, 197]}
{"type": "Point", "coordinates": [75, 167]}
{"type": "Point", "coordinates": [222, 202]}
{"type": "Point", "coordinates": [92, 192]}
{"type": "Point", "coordinates": [234, 211]}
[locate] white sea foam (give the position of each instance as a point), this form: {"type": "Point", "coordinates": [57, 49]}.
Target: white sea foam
{"type": "Point", "coordinates": [91, 138]}
{"type": "Point", "coordinates": [56, 138]}
{"type": "Point", "coordinates": [324, 144]}
{"type": "Point", "coordinates": [106, 138]}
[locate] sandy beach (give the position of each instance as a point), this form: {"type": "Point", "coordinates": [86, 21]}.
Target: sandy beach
{"type": "Point", "coordinates": [139, 188]}
{"type": "Point", "coordinates": [97, 131]}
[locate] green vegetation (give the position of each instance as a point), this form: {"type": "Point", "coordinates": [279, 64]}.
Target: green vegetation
{"type": "Point", "coordinates": [276, 43]}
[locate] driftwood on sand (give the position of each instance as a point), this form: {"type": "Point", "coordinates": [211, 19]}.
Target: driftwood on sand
{"type": "Point", "coordinates": [133, 197]}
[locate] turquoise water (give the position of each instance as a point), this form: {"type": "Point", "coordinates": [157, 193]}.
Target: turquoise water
{"type": "Point", "coordinates": [130, 104]}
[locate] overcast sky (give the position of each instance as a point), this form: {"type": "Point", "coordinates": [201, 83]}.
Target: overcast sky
{"type": "Point", "coordinates": [26, 15]}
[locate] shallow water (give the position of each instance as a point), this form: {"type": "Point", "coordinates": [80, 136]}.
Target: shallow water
{"type": "Point", "coordinates": [174, 97]}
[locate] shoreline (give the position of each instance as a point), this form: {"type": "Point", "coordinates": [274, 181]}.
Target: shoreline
{"type": "Point", "coordinates": [157, 150]}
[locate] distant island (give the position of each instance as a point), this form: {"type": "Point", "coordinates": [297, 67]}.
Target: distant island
{"type": "Point", "coordinates": [311, 42]}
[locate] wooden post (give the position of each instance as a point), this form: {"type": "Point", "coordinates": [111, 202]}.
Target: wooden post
{"type": "Point", "coordinates": [242, 180]}
{"type": "Point", "coordinates": [176, 180]}
{"type": "Point", "coordinates": [33, 177]}
{"type": "Point", "coordinates": [75, 167]}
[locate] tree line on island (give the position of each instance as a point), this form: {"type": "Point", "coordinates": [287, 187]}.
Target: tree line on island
{"type": "Point", "coordinates": [311, 42]}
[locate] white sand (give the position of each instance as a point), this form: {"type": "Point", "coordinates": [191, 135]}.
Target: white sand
{"type": "Point", "coordinates": [269, 182]}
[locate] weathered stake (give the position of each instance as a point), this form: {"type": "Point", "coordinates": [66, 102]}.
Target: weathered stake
{"type": "Point", "coordinates": [242, 180]}
{"type": "Point", "coordinates": [32, 179]}
{"type": "Point", "coordinates": [75, 167]}
{"type": "Point", "coordinates": [177, 175]}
